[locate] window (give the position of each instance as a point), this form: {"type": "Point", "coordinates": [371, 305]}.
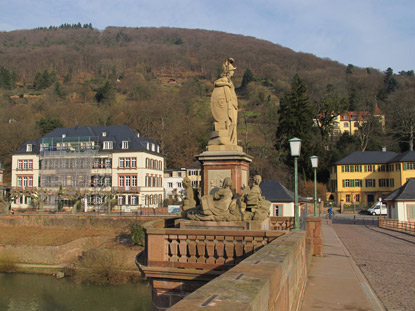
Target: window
{"type": "Point", "coordinates": [121, 162]}
{"type": "Point", "coordinates": [124, 144]}
{"type": "Point", "coordinates": [134, 200]}
{"type": "Point", "coordinates": [383, 182]}
{"type": "Point", "coordinates": [108, 163]}
{"type": "Point", "coordinates": [370, 168]}
{"type": "Point", "coordinates": [133, 162]}
{"type": "Point", "coordinates": [20, 164]}
{"type": "Point", "coordinates": [357, 198]}
{"type": "Point", "coordinates": [19, 181]}
{"type": "Point", "coordinates": [127, 162]}
{"type": "Point", "coordinates": [121, 181]}
{"type": "Point", "coordinates": [346, 183]}
{"type": "Point", "coordinates": [29, 148]}
{"type": "Point", "coordinates": [133, 181]}
{"type": "Point", "coordinates": [346, 168]}
{"type": "Point", "coordinates": [358, 183]}
{"type": "Point", "coordinates": [121, 200]}
{"type": "Point", "coordinates": [107, 181]}
{"type": "Point", "coordinates": [370, 183]}
{"type": "Point", "coordinates": [170, 184]}
{"type": "Point", "coordinates": [107, 145]}
{"type": "Point", "coordinates": [30, 181]}
{"type": "Point", "coordinates": [348, 198]}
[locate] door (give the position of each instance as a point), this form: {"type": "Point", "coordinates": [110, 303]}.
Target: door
{"type": "Point", "coordinates": [370, 199]}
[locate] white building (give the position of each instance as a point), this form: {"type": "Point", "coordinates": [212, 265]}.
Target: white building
{"type": "Point", "coordinates": [93, 162]}
{"type": "Point", "coordinates": [173, 182]}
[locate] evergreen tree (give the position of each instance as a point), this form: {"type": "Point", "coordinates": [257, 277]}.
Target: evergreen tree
{"type": "Point", "coordinates": [46, 125]}
{"type": "Point", "coordinates": [104, 93]}
{"type": "Point", "coordinates": [296, 120]}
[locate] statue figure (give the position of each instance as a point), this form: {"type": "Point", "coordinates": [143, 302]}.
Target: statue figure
{"type": "Point", "coordinates": [224, 106]}
{"type": "Point", "coordinates": [255, 202]}
{"type": "Point", "coordinates": [222, 206]}
{"type": "Point", "coordinates": [189, 201]}
{"type": "Point", "coordinates": [215, 206]}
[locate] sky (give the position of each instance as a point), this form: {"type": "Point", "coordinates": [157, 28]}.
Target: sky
{"type": "Point", "coordinates": [365, 33]}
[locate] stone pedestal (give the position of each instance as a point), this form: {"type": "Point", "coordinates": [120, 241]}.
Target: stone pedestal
{"type": "Point", "coordinates": [217, 164]}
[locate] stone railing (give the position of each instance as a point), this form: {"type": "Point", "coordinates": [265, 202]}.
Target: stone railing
{"type": "Point", "coordinates": [273, 278]}
{"type": "Point", "coordinates": [202, 248]}
{"type": "Point", "coordinates": [396, 225]}
{"type": "Point", "coordinates": [281, 223]}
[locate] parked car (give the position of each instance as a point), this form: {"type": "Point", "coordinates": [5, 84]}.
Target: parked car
{"type": "Point", "coordinates": [378, 209]}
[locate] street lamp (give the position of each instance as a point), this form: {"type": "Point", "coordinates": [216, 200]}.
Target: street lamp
{"type": "Point", "coordinates": [295, 147]}
{"type": "Point", "coordinates": [314, 165]}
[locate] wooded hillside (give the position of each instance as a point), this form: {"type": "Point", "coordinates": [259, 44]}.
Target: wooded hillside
{"type": "Point", "coordinates": [159, 80]}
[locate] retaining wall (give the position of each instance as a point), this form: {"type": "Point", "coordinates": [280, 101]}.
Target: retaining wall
{"type": "Point", "coordinates": [271, 279]}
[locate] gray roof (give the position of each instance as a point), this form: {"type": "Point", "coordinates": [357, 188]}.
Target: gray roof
{"type": "Point", "coordinates": [273, 191]}
{"type": "Point", "coordinates": [368, 157]}
{"type": "Point", "coordinates": [115, 133]}
{"type": "Point", "coordinates": [404, 193]}
{"type": "Point", "coordinates": [404, 157]}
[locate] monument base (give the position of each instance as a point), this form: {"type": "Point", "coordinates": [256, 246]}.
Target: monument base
{"type": "Point", "coordinates": [223, 225]}
{"type": "Point", "coordinates": [218, 162]}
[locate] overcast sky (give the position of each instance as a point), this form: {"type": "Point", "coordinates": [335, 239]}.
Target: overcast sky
{"type": "Point", "coordinates": [365, 33]}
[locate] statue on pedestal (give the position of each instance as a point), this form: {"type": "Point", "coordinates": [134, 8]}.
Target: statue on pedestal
{"type": "Point", "coordinates": [224, 106]}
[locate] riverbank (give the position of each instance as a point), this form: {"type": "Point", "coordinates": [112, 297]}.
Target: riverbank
{"type": "Point", "coordinates": [53, 244]}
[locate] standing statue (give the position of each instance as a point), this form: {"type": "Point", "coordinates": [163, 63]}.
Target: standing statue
{"type": "Point", "coordinates": [224, 106]}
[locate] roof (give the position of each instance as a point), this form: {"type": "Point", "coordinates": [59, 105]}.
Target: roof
{"type": "Point", "coordinates": [404, 157]}
{"type": "Point", "coordinates": [115, 133]}
{"type": "Point", "coordinates": [404, 193]}
{"type": "Point", "coordinates": [368, 157]}
{"type": "Point", "coordinates": [273, 191]}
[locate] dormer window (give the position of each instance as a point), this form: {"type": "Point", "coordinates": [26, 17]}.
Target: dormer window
{"type": "Point", "coordinates": [104, 134]}
{"type": "Point", "coordinates": [63, 135]}
{"type": "Point", "coordinates": [107, 145]}
{"type": "Point", "coordinates": [124, 144]}
{"type": "Point", "coordinates": [153, 147]}
{"type": "Point", "coordinates": [148, 146]}
{"type": "Point", "coordinates": [29, 148]}
{"type": "Point", "coordinates": [158, 149]}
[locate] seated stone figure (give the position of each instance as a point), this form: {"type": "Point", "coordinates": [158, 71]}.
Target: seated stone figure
{"type": "Point", "coordinates": [255, 202]}
{"type": "Point", "coordinates": [215, 207]}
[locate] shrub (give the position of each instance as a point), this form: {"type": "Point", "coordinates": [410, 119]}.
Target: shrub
{"type": "Point", "coordinates": [137, 233]}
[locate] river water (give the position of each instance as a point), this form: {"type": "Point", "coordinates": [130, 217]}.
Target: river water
{"type": "Point", "coordinates": [33, 292]}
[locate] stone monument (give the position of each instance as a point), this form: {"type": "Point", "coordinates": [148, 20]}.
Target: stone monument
{"type": "Point", "coordinates": [223, 157]}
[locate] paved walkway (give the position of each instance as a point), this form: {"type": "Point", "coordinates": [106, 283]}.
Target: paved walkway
{"type": "Point", "coordinates": [335, 282]}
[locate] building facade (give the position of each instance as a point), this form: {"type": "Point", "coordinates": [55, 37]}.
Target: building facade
{"type": "Point", "coordinates": [366, 177]}
{"type": "Point", "coordinates": [89, 164]}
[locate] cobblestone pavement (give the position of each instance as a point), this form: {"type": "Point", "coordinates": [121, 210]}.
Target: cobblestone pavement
{"type": "Point", "coordinates": [387, 259]}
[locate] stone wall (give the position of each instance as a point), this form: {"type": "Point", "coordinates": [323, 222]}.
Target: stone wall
{"type": "Point", "coordinates": [73, 221]}
{"type": "Point", "coordinates": [273, 278]}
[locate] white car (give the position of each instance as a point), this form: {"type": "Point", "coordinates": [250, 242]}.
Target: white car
{"type": "Point", "coordinates": [378, 209]}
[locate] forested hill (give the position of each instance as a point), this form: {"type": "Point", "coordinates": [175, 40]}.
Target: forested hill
{"type": "Point", "coordinates": [158, 80]}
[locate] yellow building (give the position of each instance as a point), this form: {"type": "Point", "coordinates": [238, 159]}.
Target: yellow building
{"type": "Point", "coordinates": [350, 121]}
{"type": "Point", "coordinates": [365, 177]}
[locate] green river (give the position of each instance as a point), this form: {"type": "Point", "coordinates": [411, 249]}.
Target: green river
{"type": "Point", "coordinates": [33, 292]}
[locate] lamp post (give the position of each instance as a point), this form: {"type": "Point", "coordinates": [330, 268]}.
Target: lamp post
{"type": "Point", "coordinates": [314, 164]}
{"type": "Point", "coordinates": [295, 147]}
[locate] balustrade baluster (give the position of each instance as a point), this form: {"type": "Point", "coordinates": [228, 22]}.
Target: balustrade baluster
{"type": "Point", "coordinates": [191, 243]}
{"type": "Point", "coordinates": [220, 250]}
{"type": "Point", "coordinates": [201, 250]}
{"type": "Point", "coordinates": [173, 244]}
{"type": "Point", "coordinates": [210, 248]}
{"type": "Point", "coordinates": [249, 247]}
{"type": "Point", "coordinates": [183, 248]}
{"type": "Point", "coordinates": [229, 249]}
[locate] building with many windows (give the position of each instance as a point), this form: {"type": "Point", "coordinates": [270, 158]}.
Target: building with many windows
{"type": "Point", "coordinates": [89, 163]}
{"type": "Point", "coordinates": [365, 177]}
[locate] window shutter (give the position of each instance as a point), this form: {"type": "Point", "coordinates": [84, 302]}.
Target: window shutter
{"type": "Point", "coordinates": [352, 168]}
{"type": "Point", "coordinates": [342, 168]}
{"type": "Point", "coordinates": [404, 166]}
{"type": "Point", "coordinates": [343, 182]}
